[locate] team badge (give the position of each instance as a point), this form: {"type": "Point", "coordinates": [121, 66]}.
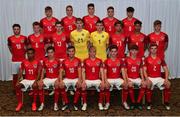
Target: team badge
{"type": "Point", "coordinates": [102, 36]}
{"type": "Point", "coordinates": [123, 39]}
{"type": "Point", "coordinates": [35, 66]}
{"type": "Point", "coordinates": [22, 41]}
{"type": "Point", "coordinates": [53, 23]}
{"type": "Point", "coordinates": [159, 62]}
{"type": "Point", "coordinates": [141, 39]}
{"type": "Point", "coordinates": [76, 64]}
{"type": "Point", "coordinates": [138, 62]}
{"type": "Point", "coordinates": [41, 40]}
{"type": "Point", "coordinates": [82, 34]}
{"type": "Point", "coordinates": [98, 63]}
{"type": "Point", "coordinates": [162, 37]}
{"type": "Point", "coordinates": [55, 65]}
{"type": "Point", "coordinates": [118, 64]}
{"type": "Point", "coordinates": [63, 38]}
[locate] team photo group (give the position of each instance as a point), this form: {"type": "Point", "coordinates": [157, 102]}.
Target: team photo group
{"type": "Point", "coordinates": [77, 54]}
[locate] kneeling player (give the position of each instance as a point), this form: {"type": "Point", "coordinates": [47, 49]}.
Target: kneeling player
{"type": "Point", "coordinates": [112, 71]}
{"type": "Point", "coordinates": [92, 77]}
{"type": "Point", "coordinates": [49, 77]}
{"type": "Point", "coordinates": [30, 68]}
{"type": "Point", "coordinates": [134, 70]}
{"type": "Point", "coordinates": [72, 68]}
{"type": "Point", "coordinates": [152, 72]}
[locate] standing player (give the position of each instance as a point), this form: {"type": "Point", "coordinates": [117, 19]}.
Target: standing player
{"type": "Point", "coordinates": [36, 41]}
{"type": "Point", "coordinates": [129, 21]}
{"type": "Point", "coordinates": [152, 73]}
{"type": "Point", "coordinates": [72, 68]}
{"type": "Point", "coordinates": [100, 39]}
{"type": "Point", "coordinates": [49, 77]}
{"type": "Point", "coordinates": [160, 38]}
{"type": "Point", "coordinates": [48, 24]}
{"type": "Point", "coordinates": [16, 44]}
{"type": "Point", "coordinates": [59, 41]}
{"type": "Point", "coordinates": [112, 72]}
{"type": "Point", "coordinates": [138, 38]}
{"type": "Point", "coordinates": [109, 21]}
{"type": "Point", "coordinates": [80, 39]}
{"type": "Point", "coordinates": [30, 68]}
{"type": "Point", "coordinates": [134, 72]}
{"type": "Point", "coordinates": [92, 77]}
{"type": "Point", "coordinates": [90, 19]}
{"type": "Point", "coordinates": [68, 22]}
{"type": "Point", "coordinates": [119, 39]}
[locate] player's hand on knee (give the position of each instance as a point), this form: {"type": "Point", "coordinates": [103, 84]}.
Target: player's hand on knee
{"type": "Point", "coordinates": [107, 85]}
{"type": "Point", "coordinates": [78, 84]}
{"type": "Point", "coordinates": [83, 85]}
{"type": "Point", "coordinates": [167, 83]}
{"type": "Point", "coordinates": [61, 85]}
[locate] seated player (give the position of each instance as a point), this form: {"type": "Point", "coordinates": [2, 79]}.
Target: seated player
{"type": "Point", "coordinates": [112, 72]}
{"type": "Point", "coordinates": [49, 77]}
{"type": "Point", "coordinates": [72, 69]}
{"type": "Point", "coordinates": [92, 77]}
{"type": "Point", "coordinates": [152, 73]}
{"type": "Point", "coordinates": [134, 71]}
{"type": "Point", "coordinates": [30, 68]}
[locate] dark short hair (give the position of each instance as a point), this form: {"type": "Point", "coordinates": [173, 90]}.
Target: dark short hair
{"type": "Point", "coordinates": [69, 6]}
{"type": "Point", "coordinates": [16, 25]}
{"type": "Point", "coordinates": [79, 19]}
{"type": "Point", "coordinates": [50, 48]}
{"type": "Point", "coordinates": [130, 9]}
{"type": "Point", "coordinates": [48, 8]}
{"type": "Point", "coordinates": [119, 22]}
{"type": "Point", "coordinates": [157, 22]}
{"type": "Point", "coordinates": [113, 47]}
{"type": "Point", "coordinates": [30, 49]}
{"type": "Point", "coordinates": [138, 22]}
{"type": "Point", "coordinates": [58, 22]}
{"type": "Point", "coordinates": [70, 47]}
{"type": "Point", "coordinates": [152, 45]}
{"type": "Point", "coordinates": [90, 5]}
{"type": "Point", "coordinates": [111, 7]}
{"type": "Point", "coordinates": [36, 23]}
{"type": "Point", "coordinates": [133, 47]}
{"type": "Point", "coordinates": [99, 22]}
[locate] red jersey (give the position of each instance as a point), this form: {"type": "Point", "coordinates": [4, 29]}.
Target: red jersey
{"type": "Point", "coordinates": [59, 42]}
{"type": "Point", "coordinates": [160, 39]}
{"type": "Point", "coordinates": [129, 26]}
{"type": "Point", "coordinates": [120, 41]}
{"type": "Point", "coordinates": [71, 67]}
{"type": "Point", "coordinates": [113, 68]}
{"type": "Point", "coordinates": [18, 47]}
{"type": "Point", "coordinates": [69, 25]}
{"type": "Point", "coordinates": [109, 25]}
{"type": "Point", "coordinates": [140, 40]}
{"type": "Point", "coordinates": [90, 23]}
{"type": "Point", "coordinates": [48, 27]}
{"type": "Point", "coordinates": [51, 68]}
{"type": "Point", "coordinates": [92, 68]}
{"type": "Point", "coordinates": [154, 66]}
{"type": "Point", "coordinates": [30, 68]}
{"type": "Point", "coordinates": [37, 42]}
{"type": "Point", "coordinates": [133, 67]}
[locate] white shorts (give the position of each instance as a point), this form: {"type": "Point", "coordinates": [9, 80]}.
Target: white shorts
{"type": "Point", "coordinates": [136, 81]}
{"type": "Point", "coordinates": [70, 82]}
{"type": "Point", "coordinates": [48, 82]}
{"type": "Point", "coordinates": [93, 83]}
{"type": "Point", "coordinates": [27, 84]}
{"type": "Point", "coordinates": [158, 81]}
{"type": "Point", "coordinates": [15, 67]}
{"type": "Point", "coordinates": [115, 82]}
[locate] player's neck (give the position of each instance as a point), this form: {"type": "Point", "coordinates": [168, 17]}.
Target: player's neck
{"type": "Point", "coordinates": [69, 16]}
{"type": "Point", "coordinates": [133, 57]}
{"type": "Point", "coordinates": [49, 18]}
{"type": "Point", "coordinates": [37, 34]}
{"type": "Point", "coordinates": [118, 32]}
{"type": "Point", "coordinates": [99, 31]}
{"type": "Point", "coordinates": [113, 58]}
{"type": "Point", "coordinates": [110, 18]}
{"type": "Point", "coordinates": [157, 32]}
{"type": "Point", "coordinates": [17, 35]}
{"type": "Point", "coordinates": [58, 32]}
{"type": "Point", "coordinates": [79, 30]}
{"type": "Point", "coordinates": [71, 58]}
{"type": "Point", "coordinates": [31, 59]}
{"type": "Point", "coordinates": [129, 18]}
{"type": "Point", "coordinates": [93, 58]}
{"type": "Point", "coordinates": [137, 32]}
{"type": "Point", "coordinates": [91, 15]}
{"type": "Point", "coordinates": [153, 56]}
{"type": "Point", "coordinates": [51, 59]}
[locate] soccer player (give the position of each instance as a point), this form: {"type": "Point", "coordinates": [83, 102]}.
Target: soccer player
{"type": "Point", "coordinates": [68, 22]}
{"type": "Point", "coordinates": [80, 39]}
{"type": "Point", "coordinates": [160, 38]}
{"type": "Point", "coordinates": [36, 41]}
{"type": "Point", "coordinates": [59, 41]}
{"type": "Point", "coordinates": [119, 39]}
{"type": "Point", "coordinates": [48, 24]}
{"type": "Point", "coordinates": [129, 21]}
{"type": "Point", "coordinates": [138, 38]}
{"type": "Point", "coordinates": [92, 77]}
{"type": "Point", "coordinates": [152, 73]}
{"type": "Point", "coordinates": [100, 39]}
{"type": "Point", "coordinates": [113, 69]}
{"type": "Point", "coordinates": [30, 68]}
{"type": "Point", "coordinates": [17, 47]}
{"type": "Point", "coordinates": [49, 77]}
{"type": "Point", "coordinates": [72, 69]}
{"type": "Point", "coordinates": [134, 73]}
{"type": "Point", "coordinates": [90, 19]}
{"type": "Point", "coordinates": [109, 21]}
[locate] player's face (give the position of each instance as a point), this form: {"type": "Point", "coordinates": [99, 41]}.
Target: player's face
{"type": "Point", "coordinates": [36, 28]}
{"type": "Point", "coordinates": [118, 27]}
{"type": "Point", "coordinates": [137, 27]}
{"type": "Point", "coordinates": [50, 53]}
{"type": "Point", "coordinates": [16, 30]}
{"type": "Point", "coordinates": [133, 52]}
{"type": "Point", "coordinates": [91, 10]}
{"type": "Point", "coordinates": [49, 13]}
{"type": "Point", "coordinates": [71, 53]}
{"type": "Point", "coordinates": [59, 27]}
{"type": "Point", "coordinates": [99, 26]}
{"type": "Point", "coordinates": [92, 53]}
{"type": "Point", "coordinates": [110, 13]}
{"type": "Point", "coordinates": [113, 53]}
{"type": "Point", "coordinates": [79, 24]}
{"type": "Point", "coordinates": [69, 11]}
{"type": "Point", "coordinates": [157, 28]}
{"type": "Point", "coordinates": [30, 54]}
{"type": "Point", "coordinates": [153, 49]}
{"type": "Point", "coordinates": [130, 14]}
